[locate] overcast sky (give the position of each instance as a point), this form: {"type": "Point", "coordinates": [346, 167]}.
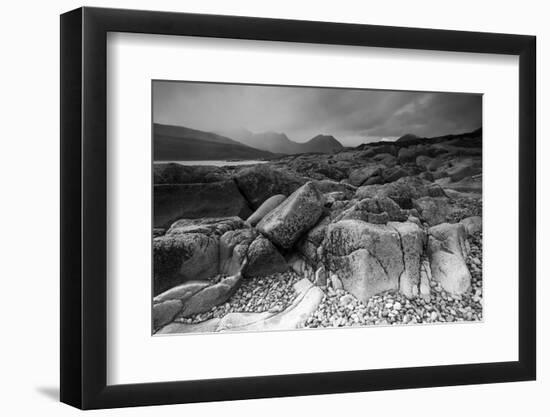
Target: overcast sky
{"type": "Point", "coordinates": [351, 116]}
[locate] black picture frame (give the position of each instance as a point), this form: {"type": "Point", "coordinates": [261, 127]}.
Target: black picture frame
{"type": "Point", "coordinates": [84, 207]}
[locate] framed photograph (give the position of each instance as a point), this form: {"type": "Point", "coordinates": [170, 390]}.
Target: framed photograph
{"type": "Point", "coordinates": [257, 208]}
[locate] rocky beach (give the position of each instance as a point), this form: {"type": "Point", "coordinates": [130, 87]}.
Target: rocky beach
{"type": "Point", "coordinates": [385, 233]}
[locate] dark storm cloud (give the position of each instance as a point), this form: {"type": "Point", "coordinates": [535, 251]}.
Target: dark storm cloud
{"type": "Point", "coordinates": [352, 116]}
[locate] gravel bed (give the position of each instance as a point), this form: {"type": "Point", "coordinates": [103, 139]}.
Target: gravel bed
{"type": "Point", "coordinates": [341, 309]}
{"type": "Point", "coordinates": [272, 293]}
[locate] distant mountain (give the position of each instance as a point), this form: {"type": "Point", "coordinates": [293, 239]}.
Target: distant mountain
{"type": "Point", "coordinates": [322, 143]}
{"type": "Point", "coordinates": [280, 143]}
{"type": "Point", "coordinates": [179, 143]}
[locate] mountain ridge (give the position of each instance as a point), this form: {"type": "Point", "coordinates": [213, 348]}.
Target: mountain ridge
{"type": "Point", "coordinates": [277, 142]}
{"type": "Point", "coordinates": [180, 143]}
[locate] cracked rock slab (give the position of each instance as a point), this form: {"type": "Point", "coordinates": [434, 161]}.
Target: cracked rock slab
{"type": "Point", "coordinates": [447, 251]}
{"type": "Point", "coordinates": [412, 238]}
{"type": "Point", "coordinates": [367, 257]}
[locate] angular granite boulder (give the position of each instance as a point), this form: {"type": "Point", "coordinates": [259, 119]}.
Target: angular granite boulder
{"type": "Point", "coordinates": [297, 214]}
{"type": "Point", "coordinates": [367, 257]}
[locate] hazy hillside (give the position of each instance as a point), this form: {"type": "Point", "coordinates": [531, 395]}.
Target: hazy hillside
{"type": "Point", "coordinates": [178, 143]}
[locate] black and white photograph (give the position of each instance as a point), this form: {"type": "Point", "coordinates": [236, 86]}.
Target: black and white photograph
{"type": "Point", "coordinates": [290, 207]}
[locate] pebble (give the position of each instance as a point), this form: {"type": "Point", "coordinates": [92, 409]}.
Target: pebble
{"type": "Point", "coordinates": [273, 293]}
{"type": "Point", "coordinates": [340, 308]}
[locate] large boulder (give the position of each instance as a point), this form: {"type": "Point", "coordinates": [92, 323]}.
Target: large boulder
{"type": "Point", "coordinates": [234, 248]}
{"type": "Point", "coordinates": [367, 258]}
{"type": "Point", "coordinates": [260, 182]}
{"type": "Point", "coordinates": [472, 224]}
{"type": "Point", "coordinates": [265, 208]}
{"type": "Point", "coordinates": [402, 191]}
{"type": "Point", "coordinates": [176, 259]}
{"type": "Point", "coordinates": [329, 186]}
{"type": "Point", "coordinates": [358, 176]}
{"type": "Point", "coordinates": [447, 251]}
{"type": "Point", "coordinates": [413, 239]}
{"type": "Point", "coordinates": [434, 210]}
{"type": "Point", "coordinates": [172, 173]}
{"type": "Point", "coordinates": [263, 259]}
{"type": "Point", "coordinates": [394, 173]}
{"type": "Point", "coordinates": [374, 210]}
{"type": "Point", "coordinates": [385, 159]}
{"type": "Point", "coordinates": [216, 199]}
{"type": "Point", "coordinates": [297, 214]}
{"type": "Point", "coordinates": [310, 243]}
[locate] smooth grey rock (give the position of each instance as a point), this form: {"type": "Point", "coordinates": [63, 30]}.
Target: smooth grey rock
{"type": "Point", "coordinates": [165, 312]}
{"type": "Point", "coordinates": [234, 246]}
{"type": "Point", "coordinates": [367, 257]}
{"type": "Point", "coordinates": [265, 208]}
{"type": "Point", "coordinates": [185, 257]}
{"type": "Point", "coordinates": [335, 282]}
{"type": "Point", "coordinates": [297, 214]}
{"type": "Point", "coordinates": [329, 186]}
{"type": "Point", "coordinates": [447, 251]}
{"type": "Point", "coordinates": [264, 259]}
{"type": "Point", "coordinates": [296, 263]}
{"type": "Point", "coordinates": [260, 182]}
{"type": "Point", "coordinates": [413, 239]}
{"type": "Point", "coordinates": [472, 224]}
{"type": "Point", "coordinates": [358, 176]}
{"type": "Point", "coordinates": [312, 240]}
{"type": "Point", "coordinates": [211, 296]}
{"type": "Point", "coordinates": [434, 210]}
{"type": "Point", "coordinates": [393, 174]}
{"type": "Point", "coordinates": [320, 277]}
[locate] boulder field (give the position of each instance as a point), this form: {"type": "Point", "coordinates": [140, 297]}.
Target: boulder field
{"type": "Point", "coordinates": [389, 217]}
